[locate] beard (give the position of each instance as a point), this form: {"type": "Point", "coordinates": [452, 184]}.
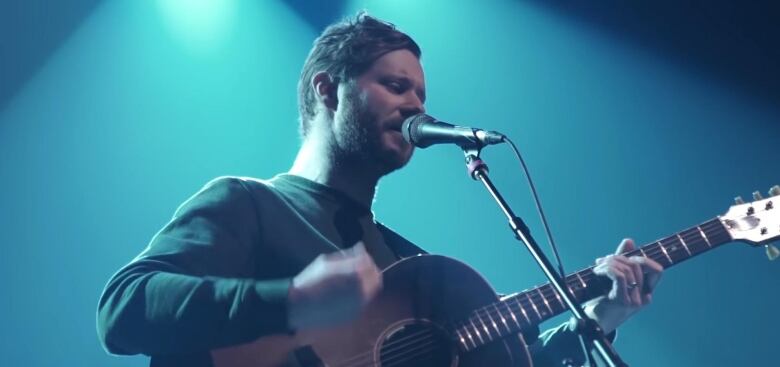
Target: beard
{"type": "Point", "coordinates": [359, 139]}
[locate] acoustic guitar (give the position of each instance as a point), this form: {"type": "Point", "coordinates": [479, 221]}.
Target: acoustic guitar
{"type": "Point", "coordinates": [435, 311]}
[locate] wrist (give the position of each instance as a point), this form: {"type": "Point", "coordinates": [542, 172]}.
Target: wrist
{"type": "Point", "coordinates": [608, 313]}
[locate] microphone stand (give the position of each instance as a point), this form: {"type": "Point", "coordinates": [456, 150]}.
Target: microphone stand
{"type": "Point", "coordinates": [588, 328]}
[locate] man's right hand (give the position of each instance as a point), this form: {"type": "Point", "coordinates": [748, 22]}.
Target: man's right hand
{"type": "Point", "coordinates": [333, 289]}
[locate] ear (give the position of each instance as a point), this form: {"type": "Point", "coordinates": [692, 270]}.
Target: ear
{"type": "Point", "coordinates": [326, 89]}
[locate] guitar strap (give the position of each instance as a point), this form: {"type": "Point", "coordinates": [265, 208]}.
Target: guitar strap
{"type": "Point", "coordinates": [401, 247]}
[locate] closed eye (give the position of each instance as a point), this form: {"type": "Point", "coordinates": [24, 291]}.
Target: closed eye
{"type": "Point", "coordinates": [396, 87]}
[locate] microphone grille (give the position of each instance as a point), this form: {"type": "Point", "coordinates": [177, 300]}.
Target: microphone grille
{"type": "Point", "coordinates": [411, 127]}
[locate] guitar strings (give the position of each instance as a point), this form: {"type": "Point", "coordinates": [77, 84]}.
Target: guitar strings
{"type": "Point", "coordinates": [391, 347]}
{"type": "Point", "coordinates": [414, 352]}
{"type": "Point", "coordinates": [398, 354]}
{"type": "Point", "coordinates": [547, 291]}
{"type": "Point", "coordinates": [692, 239]}
{"type": "Point", "coordinates": [398, 358]}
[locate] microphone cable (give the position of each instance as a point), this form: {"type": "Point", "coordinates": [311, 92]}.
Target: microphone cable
{"type": "Point", "coordinates": [538, 204]}
{"type": "Point", "coordinates": [586, 351]}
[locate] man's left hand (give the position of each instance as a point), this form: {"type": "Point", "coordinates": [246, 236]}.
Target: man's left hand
{"type": "Point", "coordinates": [633, 280]}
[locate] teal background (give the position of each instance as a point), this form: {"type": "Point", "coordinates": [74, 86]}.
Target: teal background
{"type": "Point", "coordinates": [132, 108]}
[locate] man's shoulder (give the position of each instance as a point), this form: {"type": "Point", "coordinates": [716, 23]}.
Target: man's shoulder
{"type": "Point", "coordinates": [246, 183]}
{"type": "Point", "coordinates": [226, 189]}
{"type": "Point", "coordinates": [229, 180]}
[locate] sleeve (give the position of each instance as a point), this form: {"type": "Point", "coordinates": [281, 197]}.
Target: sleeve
{"type": "Point", "coordinates": [191, 289]}
{"type": "Point", "coordinates": [560, 346]}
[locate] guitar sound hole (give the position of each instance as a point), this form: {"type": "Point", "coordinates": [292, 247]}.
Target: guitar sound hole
{"type": "Point", "coordinates": [417, 345]}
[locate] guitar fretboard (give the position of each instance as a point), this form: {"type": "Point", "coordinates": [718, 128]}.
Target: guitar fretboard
{"type": "Point", "coordinates": [529, 308]}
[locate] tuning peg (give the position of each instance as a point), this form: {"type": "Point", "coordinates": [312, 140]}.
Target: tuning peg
{"type": "Point", "coordinates": [775, 190]}
{"type": "Point", "coordinates": [739, 200]}
{"type": "Point", "coordinates": [772, 252]}
{"type": "Point", "coordinates": [757, 196]}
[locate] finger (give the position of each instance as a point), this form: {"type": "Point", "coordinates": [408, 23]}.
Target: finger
{"type": "Point", "coordinates": [603, 269]}
{"type": "Point", "coordinates": [359, 249]}
{"type": "Point", "coordinates": [371, 277]}
{"type": "Point", "coordinates": [630, 281]}
{"type": "Point", "coordinates": [371, 285]}
{"type": "Point", "coordinates": [355, 254]}
{"type": "Point", "coordinates": [624, 285]}
{"type": "Point", "coordinates": [652, 270]}
{"type": "Point", "coordinates": [638, 285]}
{"type": "Point", "coordinates": [619, 290]}
{"type": "Point", "coordinates": [602, 266]}
{"type": "Point", "coordinates": [621, 276]}
{"type": "Point", "coordinates": [625, 245]}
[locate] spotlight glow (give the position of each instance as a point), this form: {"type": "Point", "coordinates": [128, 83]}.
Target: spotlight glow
{"type": "Point", "coordinates": [201, 25]}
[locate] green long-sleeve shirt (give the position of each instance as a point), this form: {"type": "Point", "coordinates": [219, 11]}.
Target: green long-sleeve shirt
{"type": "Point", "coordinates": [218, 273]}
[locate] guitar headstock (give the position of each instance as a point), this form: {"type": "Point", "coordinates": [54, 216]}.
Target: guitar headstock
{"type": "Point", "coordinates": [757, 222]}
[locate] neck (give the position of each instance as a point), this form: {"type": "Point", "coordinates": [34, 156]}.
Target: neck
{"type": "Point", "coordinates": [317, 162]}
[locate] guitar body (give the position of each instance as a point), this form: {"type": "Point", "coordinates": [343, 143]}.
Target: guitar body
{"type": "Point", "coordinates": [406, 325]}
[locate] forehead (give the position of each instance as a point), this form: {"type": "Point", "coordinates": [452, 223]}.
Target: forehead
{"type": "Point", "coordinates": [398, 63]}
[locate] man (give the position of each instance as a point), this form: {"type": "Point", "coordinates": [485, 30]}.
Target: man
{"type": "Point", "coordinates": [246, 258]}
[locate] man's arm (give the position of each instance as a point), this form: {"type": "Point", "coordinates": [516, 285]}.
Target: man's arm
{"type": "Point", "coordinates": [191, 289]}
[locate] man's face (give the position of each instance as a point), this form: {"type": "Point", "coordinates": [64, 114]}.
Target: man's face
{"type": "Point", "coordinates": [367, 122]}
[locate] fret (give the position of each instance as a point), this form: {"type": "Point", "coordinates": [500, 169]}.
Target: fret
{"type": "Point", "coordinates": [476, 330]}
{"type": "Point", "coordinates": [685, 245]}
{"type": "Point", "coordinates": [581, 281]}
{"type": "Point", "coordinates": [695, 241]}
{"type": "Point", "coordinates": [514, 318]}
{"type": "Point", "coordinates": [462, 339]}
{"type": "Point", "coordinates": [670, 247]}
{"type": "Point", "coordinates": [571, 291]}
{"type": "Point", "coordinates": [690, 238]}
{"type": "Point", "coordinates": [718, 234]}
{"type": "Point", "coordinates": [675, 248]}
{"type": "Point", "coordinates": [704, 235]}
{"type": "Point", "coordinates": [502, 319]}
{"type": "Point", "coordinates": [493, 322]}
{"type": "Point", "coordinates": [534, 306]}
{"type": "Point", "coordinates": [484, 327]}
{"type": "Point", "coordinates": [525, 314]}
{"type": "Point", "coordinates": [665, 253]}
{"type": "Point", "coordinates": [558, 296]}
{"type": "Point", "coordinates": [468, 334]}
{"type": "Point", "coordinates": [538, 290]}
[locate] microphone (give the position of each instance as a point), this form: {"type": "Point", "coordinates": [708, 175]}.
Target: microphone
{"type": "Point", "coordinates": [423, 131]}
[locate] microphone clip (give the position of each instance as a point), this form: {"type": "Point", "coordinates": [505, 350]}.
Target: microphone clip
{"type": "Point", "coordinates": [474, 164]}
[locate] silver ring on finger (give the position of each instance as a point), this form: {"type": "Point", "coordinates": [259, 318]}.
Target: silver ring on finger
{"type": "Point", "coordinates": [632, 285]}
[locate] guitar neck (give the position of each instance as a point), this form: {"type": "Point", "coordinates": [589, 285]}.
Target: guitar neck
{"type": "Point", "coordinates": [532, 307]}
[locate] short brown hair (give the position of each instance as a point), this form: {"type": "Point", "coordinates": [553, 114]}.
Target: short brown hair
{"type": "Point", "coordinates": [345, 50]}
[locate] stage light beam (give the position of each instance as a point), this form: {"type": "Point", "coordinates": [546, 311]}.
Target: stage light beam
{"type": "Point", "coordinates": [200, 25]}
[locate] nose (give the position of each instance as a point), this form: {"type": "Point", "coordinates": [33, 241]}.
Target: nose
{"type": "Point", "coordinates": [413, 107]}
